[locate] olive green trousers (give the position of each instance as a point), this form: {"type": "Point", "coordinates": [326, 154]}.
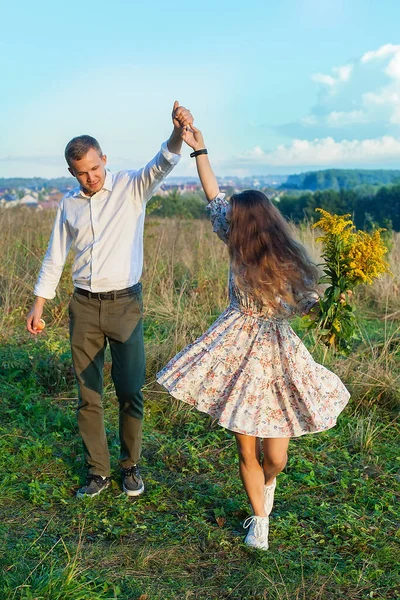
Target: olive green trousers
{"type": "Point", "coordinates": [93, 323]}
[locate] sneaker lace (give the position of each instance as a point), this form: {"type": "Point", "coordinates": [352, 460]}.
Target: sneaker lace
{"type": "Point", "coordinates": [133, 470]}
{"type": "Point", "coordinates": [248, 522]}
{"type": "Point", "coordinates": [91, 477]}
{"type": "Point", "coordinates": [260, 525]}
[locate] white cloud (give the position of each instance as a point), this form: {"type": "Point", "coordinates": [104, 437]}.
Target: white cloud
{"type": "Point", "coordinates": [326, 79]}
{"type": "Point", "coordinates": [395, 118]}
{"type": "Point", "coordinates": [309, 120]}
{"type": "Point", "coordinates": [369, 103]}
{"type": "Point", "coordinates": [355, 121]}
{"type": "Point", "coordinates": [393, 68]}
{"type": "Point", "coordinates": [340, 118]}
{"type": "Point", "coordinates": [326, 152]}
{"type": "Point", "coordinates": [342, 73]}
{"type": "Point", "coordinates": [257, 151]}
{"type": "Point", "coordinates": [382, 52]}
{"type": "Point", "coordinates": [385, 96]}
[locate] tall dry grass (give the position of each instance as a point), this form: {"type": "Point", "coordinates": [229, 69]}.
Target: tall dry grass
{"type": "Point", "coordinates": [185, 284]}
{"type": "Point", "coordinates": [185, 288]}
{"type": "Point", "coordinates": [24, 235]}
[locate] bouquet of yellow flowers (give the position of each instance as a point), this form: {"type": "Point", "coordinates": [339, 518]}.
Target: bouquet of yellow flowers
{"type": "Point", "coordinates": [351, 257]}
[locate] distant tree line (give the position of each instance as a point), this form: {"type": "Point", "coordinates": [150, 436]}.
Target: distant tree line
{"type": "Point", "coordinates": [369, 206]}
{"type": "Point", "coordinates": [186, 205]}
{"type": "Point", "coordinates": [337, 179]}
{"type": "Point", "coordinates": [37, 182]}
{"type": "Point", "coordinates": [372, 197]}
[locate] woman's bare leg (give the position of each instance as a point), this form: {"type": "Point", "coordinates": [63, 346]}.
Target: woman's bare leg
{"type": "Point", "coordinates": [275, 457]}
{"type": "Point", "coordinates": [251, 471]}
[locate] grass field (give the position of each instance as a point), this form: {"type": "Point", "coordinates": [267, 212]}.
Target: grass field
{"type": "Point", "coordinates": [334, 529]}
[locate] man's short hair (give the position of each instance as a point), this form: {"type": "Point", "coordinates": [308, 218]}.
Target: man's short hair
{"type": "Point", "coordinates": [79, 146]}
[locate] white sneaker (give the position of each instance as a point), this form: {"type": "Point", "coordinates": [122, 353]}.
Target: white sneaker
{"type": "Point", "coordinates": [269, 493]}
{"type": "Point", "coordinates": [257, 536]}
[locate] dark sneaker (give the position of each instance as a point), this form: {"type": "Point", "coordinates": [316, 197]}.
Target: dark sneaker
{"type": "Point", "coordinates": [132, 483]}
{"type": "Point", "coordinates": [94, 485]}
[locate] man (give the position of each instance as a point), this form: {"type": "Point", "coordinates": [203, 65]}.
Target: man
{"type": "Point", "coordinates": [103, 221]}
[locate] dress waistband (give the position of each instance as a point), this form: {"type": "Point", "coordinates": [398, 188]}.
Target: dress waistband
{"type": "Point", "coordinates": [255, 314]}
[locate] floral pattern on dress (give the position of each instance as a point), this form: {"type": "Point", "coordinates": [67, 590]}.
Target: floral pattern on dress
{"type": "Point", "coordinates": [250, 371]}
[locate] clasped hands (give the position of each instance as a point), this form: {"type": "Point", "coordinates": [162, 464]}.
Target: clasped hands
{"type": "Point", "coordinates": [182, 119]}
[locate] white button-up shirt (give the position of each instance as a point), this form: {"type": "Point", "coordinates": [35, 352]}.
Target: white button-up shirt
{"type": "Point", "coordinates": [104, 230]}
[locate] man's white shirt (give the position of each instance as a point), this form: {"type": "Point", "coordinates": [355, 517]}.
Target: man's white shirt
{"type": "Point", "coordinates": [104, 230]}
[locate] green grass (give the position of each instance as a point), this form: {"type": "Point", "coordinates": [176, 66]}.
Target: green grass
{"type": "Point", "coordinates": [334, 527]}
{"type": "Point", "coordinates": [333, 530]}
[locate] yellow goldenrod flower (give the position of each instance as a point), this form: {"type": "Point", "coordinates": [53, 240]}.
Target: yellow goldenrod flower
{"type": "Point", "coordinates": [333, 224]}
{"type": "Point", "coordinates": [351, 257]}
{"type": "Point", "coordinates": [366, 254]}
{"type": "Point", "coordinates": [336, 325]}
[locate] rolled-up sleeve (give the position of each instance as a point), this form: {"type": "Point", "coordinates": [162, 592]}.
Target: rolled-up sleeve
{"type": "Point", "coordinates": [147, 180]}
{"type": "Point", "coordinates": [55, 257]}
{"type": "Point", "coordinates": [217, 212]}
{"type": "Point", "coordinates": [305, 302]}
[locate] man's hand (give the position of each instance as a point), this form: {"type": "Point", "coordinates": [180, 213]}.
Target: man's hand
{"type": "Point", "coordinates": [33, 319]}
{"type": "Point", "coordinates": [181, 116]}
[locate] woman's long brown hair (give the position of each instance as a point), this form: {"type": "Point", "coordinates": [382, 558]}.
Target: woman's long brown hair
{"type": "Point", "coordinates": [266, 259]}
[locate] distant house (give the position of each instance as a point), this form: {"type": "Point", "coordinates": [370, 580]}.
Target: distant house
{"type": "Point", "coordinates": [29, 200]}
{"type": "Point", "coordinates": [9, 204]}
{"type": "Point", "coordinates": [10, 197]}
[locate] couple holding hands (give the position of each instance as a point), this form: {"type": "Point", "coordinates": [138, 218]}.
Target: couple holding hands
{"type": "Point", "coordinates": [249, 370]}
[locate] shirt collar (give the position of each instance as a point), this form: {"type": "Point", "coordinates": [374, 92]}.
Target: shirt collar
{"type": "Point", "coordinates": [107, 185]}
{"type": "Point", "coordinates": [108, 182]}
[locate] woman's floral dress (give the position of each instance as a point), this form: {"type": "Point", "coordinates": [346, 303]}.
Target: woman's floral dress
{"type": "Point", "coordinates": [251, 371]}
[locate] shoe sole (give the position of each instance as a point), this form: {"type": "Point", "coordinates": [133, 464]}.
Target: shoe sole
{"type": "Point", "coordinates": [133, 492]}
{"type": "Point", "coordinates": [83, 495]}
{"type": "Point", "coordinates": [256, 547]}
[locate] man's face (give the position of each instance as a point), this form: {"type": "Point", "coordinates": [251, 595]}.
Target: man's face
{"type": "Point", "coordinates": [90, 171]}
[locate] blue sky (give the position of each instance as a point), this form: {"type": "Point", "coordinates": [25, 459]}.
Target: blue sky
{"type": "Point", "coordinates": [276, 87]}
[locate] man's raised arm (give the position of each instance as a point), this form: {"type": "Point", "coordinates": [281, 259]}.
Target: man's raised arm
{"type": "Point", "coordinates": [147, 180]}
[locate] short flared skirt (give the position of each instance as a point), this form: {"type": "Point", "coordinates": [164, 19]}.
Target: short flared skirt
{"type": "Point", "coordinates": [256, 377]}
